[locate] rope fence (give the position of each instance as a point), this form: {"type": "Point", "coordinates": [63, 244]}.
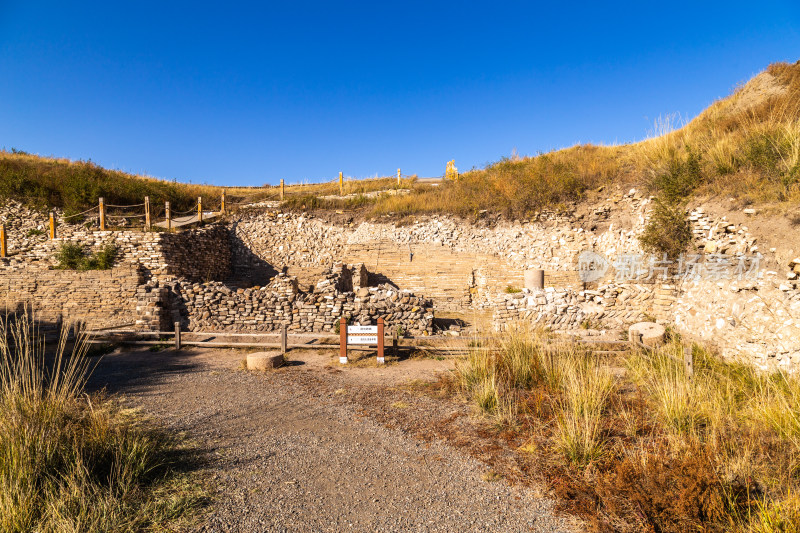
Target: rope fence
{"type": "Point", "coordinates": [165, 217]}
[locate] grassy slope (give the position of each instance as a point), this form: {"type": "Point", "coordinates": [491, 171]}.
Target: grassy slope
{"type": "Point", "coordinates": [748, 146]}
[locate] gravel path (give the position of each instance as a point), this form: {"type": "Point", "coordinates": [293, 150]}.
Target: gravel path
{"type": "Point", "coordinates": [289, 455]}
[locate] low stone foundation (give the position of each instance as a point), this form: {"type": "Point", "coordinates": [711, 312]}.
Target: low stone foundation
{"type": "Point", "coordinates": [214, 306]}
{"type": "Point", "coordinates": [609, 306]}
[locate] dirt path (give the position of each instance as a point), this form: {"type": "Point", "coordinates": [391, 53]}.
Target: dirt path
{"type": "Point", "coordinates": [289, 453]}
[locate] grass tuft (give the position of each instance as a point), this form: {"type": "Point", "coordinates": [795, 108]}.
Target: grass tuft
{"type": "Point", "coordinates": [72, 462]}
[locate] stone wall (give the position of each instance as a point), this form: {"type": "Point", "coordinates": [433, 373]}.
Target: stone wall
{"type": "Point", "coordinates": [611, 306]}
{"type": "Point", "coordinates": [456, 264]}
{"type": "Point", "coordinates": [757, 318]}
{"type": "Point", "coordinates": [101, 298]}
{"type": "Point", "coordinates": [214, 306]}
{"type": "Point", "coordinates": [200, 254]}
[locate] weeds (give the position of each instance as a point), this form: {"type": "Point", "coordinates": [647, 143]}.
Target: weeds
{"type": "Point", "coordinates": [655, 449]}
{"type": "Point", "coordinates": [586, 389]}
{"type": "Point", "coordinates": [71, 462]}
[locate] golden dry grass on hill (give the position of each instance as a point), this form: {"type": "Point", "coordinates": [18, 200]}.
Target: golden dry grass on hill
{"type": "Point", "coordinates": [748, 146]}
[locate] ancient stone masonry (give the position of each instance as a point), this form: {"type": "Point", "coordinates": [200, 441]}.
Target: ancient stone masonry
{"type": "Point", "coordinates": [264, 268]}
{"type": "Point", "coordinates": [455, 263]}
{"type": "Point", "coordinates": [100, 298]}
{"type": "Point", "coordinates": [610, 306]}
{"type": "Point", "coordinates": [758, 318]}
{"type": "Point", "coordinates": [215, 307]}
{"type": "Point", "coordinates": [198, 254]}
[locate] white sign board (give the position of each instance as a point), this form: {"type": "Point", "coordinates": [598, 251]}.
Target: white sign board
{"type": "Point", "coordinates": [362, 334]}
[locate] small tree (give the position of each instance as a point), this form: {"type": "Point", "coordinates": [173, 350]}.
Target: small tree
{"type": "Point", "coordinates": [668, 230]}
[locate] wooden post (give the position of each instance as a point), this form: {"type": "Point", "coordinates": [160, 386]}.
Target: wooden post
{"type": "Point", "coordinates": [102, 214]}
{"type": "Point", "coordinates": [283, 339]}
{"type": "Point", "coordinates": [688, 361]}
{"type": "Point", "coordinates": [200, 209]}
{"type": "Point", "coordinates": [222, 203]}
{"type": "Point", "coordinates": [342, 340]}
{"type": "Point", "coordinates": [394, 343]}
{"type": "Point", "coordinates": [283, 190]}
{"type": "Point", "coordinates": [147, 222]}
{"type": "Point", "coordinates": [168, 214]}
{"type": "Point", "coordinates": [341, 185]}
{"type": "Point", "coordinates": [177, 336]}
{"type": "Point", "coordinates": [52, 225]}
{"type": "Point", "coordinates": [398, 177]}
{"type": "Point", "coordinates": [381, 359]}
{"type": "Point", "coordinates": [3, 247]}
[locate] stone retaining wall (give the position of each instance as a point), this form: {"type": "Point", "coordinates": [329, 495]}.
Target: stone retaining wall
{"type": "Point", "coordinates": [214, 306]}
{"type": "Point", "coordinates": [608, 307]}
{"type": "Point", "coordinates": [101, 298]}
{"type": "Point", "coordinates": [200, 254]}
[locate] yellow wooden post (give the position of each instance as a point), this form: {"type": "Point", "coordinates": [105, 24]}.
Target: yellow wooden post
{"type": "Point", "coordinates": [398, 177]}
{"type": "Point", "coordinates": [3, 247]}
{"type": "Point", "coordinates": [102, 214]}
{"type": "Point", "coordinates": [147, 223]}
{"type": "Point", "coordinates": [168, 214]}
{"type": "Point", "coordinates": [199, 209]}
{"type": "Point", "coordinates": [341, 185]}
{"type": "Point", "coordinates": [222, 202]}
{"type": "Point", "coordinates": [52, 225]}
{"type": "Point", "coordinates": [283, 190]}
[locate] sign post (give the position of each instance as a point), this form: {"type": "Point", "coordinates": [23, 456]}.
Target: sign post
{"type": "Point", "coordinates": [368, 335]}
{"type": "Point", "coordinates": [343, 341]}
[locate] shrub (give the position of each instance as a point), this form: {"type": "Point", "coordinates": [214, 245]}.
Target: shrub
{"type": "Point", "coordinates": [667, 494]}
{"type": "Point", "coordinates": [680, 180]}
{"type": "Point", "coordinates": [668, 230]}
{"type": "Point", "coordinates": [102, 260]}
{"type": "Point", "coordinates": [70, 256]}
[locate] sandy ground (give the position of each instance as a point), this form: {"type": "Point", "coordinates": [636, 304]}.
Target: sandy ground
{"type": "Point", "coordinates": [311, 447]}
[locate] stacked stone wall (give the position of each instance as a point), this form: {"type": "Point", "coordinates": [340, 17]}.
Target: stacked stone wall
{"type": "Point", "coordinates": [214, 306]}
{"type": "Point", "coordinates": [100, 298]}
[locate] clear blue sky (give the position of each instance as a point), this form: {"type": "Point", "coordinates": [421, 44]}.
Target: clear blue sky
{"type": "Point", "coordinates": [234, 93]}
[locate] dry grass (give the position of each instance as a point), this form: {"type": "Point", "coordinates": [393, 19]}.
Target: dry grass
{"type": "Point", "coordinates": [655, 449]}
{"type": "Point", "coordinates": [747, 145]}
{"type": "Point", "coordinates": [70, 462]}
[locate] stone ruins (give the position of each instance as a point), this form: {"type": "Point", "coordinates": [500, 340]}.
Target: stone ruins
{"type": "Point", "coordinates": [260, 269]}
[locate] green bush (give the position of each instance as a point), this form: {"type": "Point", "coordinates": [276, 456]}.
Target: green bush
{"type": "Point", "coordinates": [104, 259]}
{"type": "Point", "coordinates": [680, 180]}
{"type": "Point", "coordinates": [762, 152]}
{"type": "Point", "coordinates": [668, 231]}
{"type": "Point", "coordinates": [71, 256]}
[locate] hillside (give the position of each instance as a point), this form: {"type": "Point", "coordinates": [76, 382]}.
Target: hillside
{"type": "Point", "coordinates": [745, 146]}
